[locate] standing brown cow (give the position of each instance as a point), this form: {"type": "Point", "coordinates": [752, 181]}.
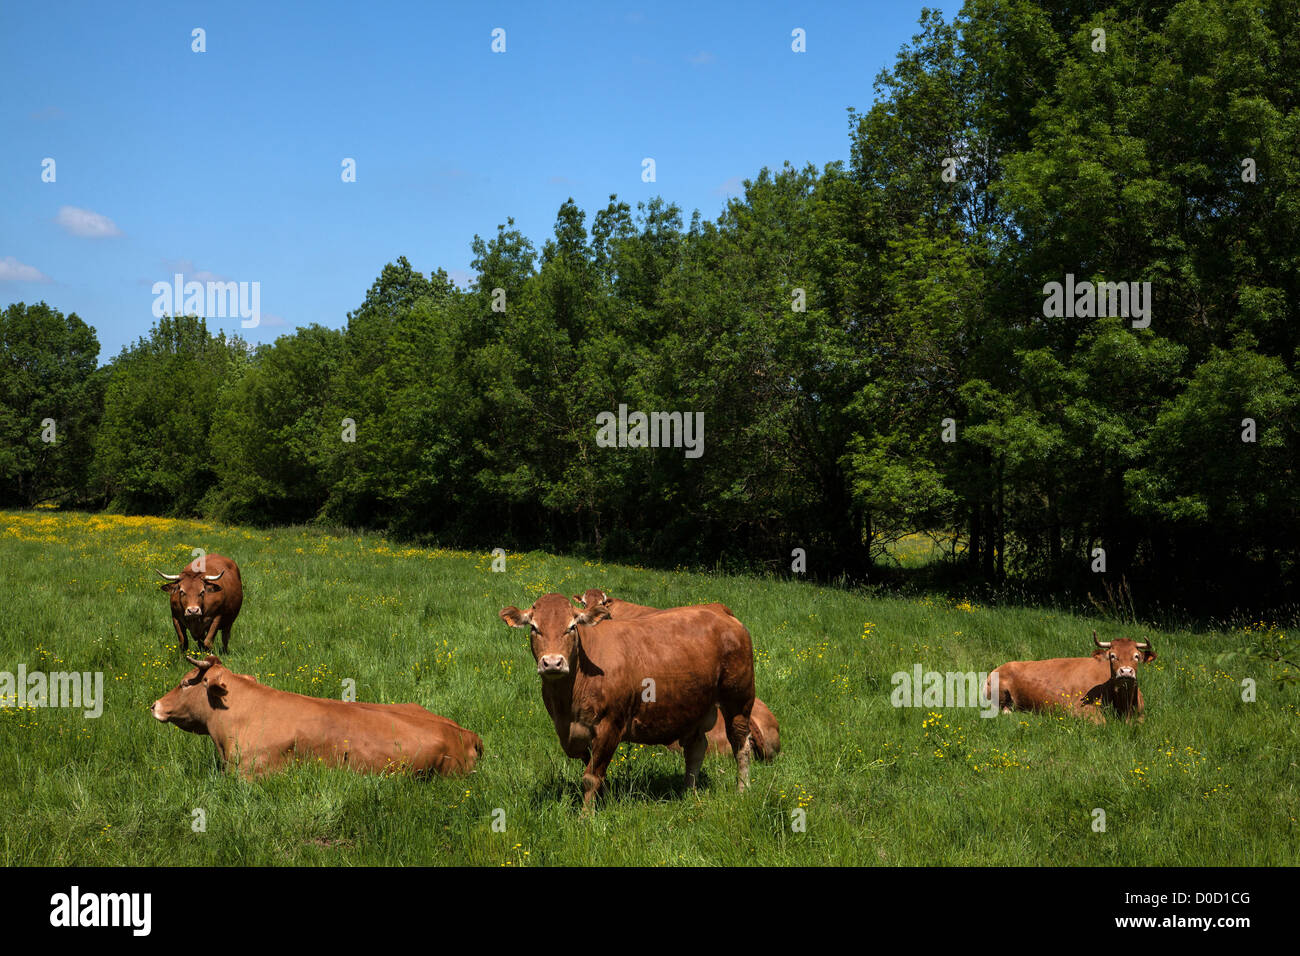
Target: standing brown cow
{"type": "Point", "coordinates": [257, 729]}
{"type": "Point", "coordinates": [650, 680]}
{"type": "Point", "coordinates": [1078, 685]}
{"type": "Point", "coordinates": [764, 729]}
{"type": "Point", "coordinates": [205, 598]}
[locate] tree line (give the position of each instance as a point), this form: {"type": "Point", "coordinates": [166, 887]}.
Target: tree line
{"type": "Point", "coordinates": [870, 343]}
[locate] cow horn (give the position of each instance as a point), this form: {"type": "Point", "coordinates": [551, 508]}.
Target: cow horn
{"type": "Point", "coordinates": [201, 665]}
{"type": "Point", "coordinates": [1144, 646]}
{"type": "Point", "coordinates": [1102, 644]}
{"type": "Point", "coordinates": [169, 577]}
{"type": "Point", "coordinates": [214, 577]}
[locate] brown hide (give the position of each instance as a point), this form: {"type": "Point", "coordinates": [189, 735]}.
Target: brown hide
{"type": "Point", "coordinates": [257, 729]}
{"type": "Point", "coordinates": [763, 726]}
{"type": "Point", "coordinates": [594, 680]}
{"type": "Point", "coordinates": [1079, 685]}
{"type": "Point", "coordinates": [216, 592]}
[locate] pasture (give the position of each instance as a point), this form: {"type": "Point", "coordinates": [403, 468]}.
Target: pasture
{"type": "Point", "coordinates": [1208, 779]}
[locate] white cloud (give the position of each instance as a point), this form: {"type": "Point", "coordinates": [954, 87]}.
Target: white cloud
{"type": "Point", "coordinates": [703, 58]}
{"type": "Point", "coordinates": [186, 268]}
{"type": "Point", "coordinates": [87, 224]}
{"type": "Point", "coordinates": [732, 187]}
{"type": "Point", "coordinates": [11, 270]}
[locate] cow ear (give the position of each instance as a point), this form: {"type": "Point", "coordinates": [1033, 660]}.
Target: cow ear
{"type": "Point", "coordinates": [577, 599]}
{"type": "Point", "coordinates": [513, 616]}
{"type": "Point", "coordinates": [1150, 655]}
{"type": "Point", "coordinates": [167, 586]}
{"type": "Point", "coordinates": [594, 615]}
{"type": "Point", "coordinates": [216, 691]}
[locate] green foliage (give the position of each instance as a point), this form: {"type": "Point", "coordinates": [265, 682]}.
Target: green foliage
{"type": "Point", "coordinates": [153, 451]}
{"type": "Point", "coordinates": [826, 325]}
{"type": "Point", "coordinates": [49, 389]}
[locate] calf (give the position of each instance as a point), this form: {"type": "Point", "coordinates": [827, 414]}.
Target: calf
{"type": "Point", "coordinates": [764, 730]}
{"type": "Point", "coordinates": [205, 598]}
{"type": "Point", "coordinates": [650, 680]}
{"type": "Point", "coordinates": [257, 729]}
{"type": "Point", "coordinates": [1079, 685]}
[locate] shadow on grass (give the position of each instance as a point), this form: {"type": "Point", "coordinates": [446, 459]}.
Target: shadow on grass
{"type": "Point", "coordinates": [657, 785]}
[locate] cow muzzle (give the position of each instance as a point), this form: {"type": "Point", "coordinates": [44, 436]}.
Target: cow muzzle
{"type": "Point", "coordinates": [158, 712]}
{"type": "Point", "coordinates": [552, 665]}
{"type": "Point", "coordinates": [1126, 673]}
{"type": "Point", "coordinates": [194, 612]}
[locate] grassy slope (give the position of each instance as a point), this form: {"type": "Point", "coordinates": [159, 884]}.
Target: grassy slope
{"type": "Point", "coordinates": [1208, 779]}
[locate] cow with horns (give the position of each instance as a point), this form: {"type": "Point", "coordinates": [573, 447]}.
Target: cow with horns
{"type": "Point", "coordinates": [205, 598]}
{"type": "Point", "coordinates": [1082, 686]}
{"type": "Point", "coordinates": [258, 729]}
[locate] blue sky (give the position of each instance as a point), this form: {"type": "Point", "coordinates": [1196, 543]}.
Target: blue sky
{"type": "Point", "coordinates": [226, 164]}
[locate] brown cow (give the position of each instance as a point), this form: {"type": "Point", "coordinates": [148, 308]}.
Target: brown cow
{"type": "Point", "coordinates": [258, 729]}
{"type": "Point", "coordinates": [650, 680]}
{"type": "Point", "coordinates": [763, 726]}
{"type": "Point", "coordinates": [1079, 685]}
{"type": "Point", "coordinates": [205, 598]}
{"type": "Point", "coordinates": [618, 609]}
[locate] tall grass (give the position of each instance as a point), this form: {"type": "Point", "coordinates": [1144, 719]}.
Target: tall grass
{"type": "Point", "coordinates": [1207, 779]}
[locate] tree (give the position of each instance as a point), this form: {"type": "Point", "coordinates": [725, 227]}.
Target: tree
{"type": "Point", "coordinates": [50, 394]}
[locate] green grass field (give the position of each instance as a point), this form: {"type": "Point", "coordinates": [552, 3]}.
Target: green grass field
{"type": "Point", "coordinates": [1207, 779]}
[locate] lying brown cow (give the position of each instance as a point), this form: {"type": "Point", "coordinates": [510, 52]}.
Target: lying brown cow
{"type": "Point", "coordinates": [257, 729]}
{"type": "Point", "coordinates": [651, 680]}
{"type": "Point", "coordinates": [205, 598]}
{"type": "Point", "coordinates": [1079, 685]}
{"type": "Point", "coordinates": [763, 727]}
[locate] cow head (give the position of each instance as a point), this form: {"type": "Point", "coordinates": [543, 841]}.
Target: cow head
{"type": "Point", "coordinates": [591, 598]}
{"type": "Point", "coordinates": [553, 628]}
{"type": "Point", "coordinates": [189, 589]}
{"type": "Point", "coordinates": [191, 703]}
{"type": "Point", "coordinates": [1124, 655]}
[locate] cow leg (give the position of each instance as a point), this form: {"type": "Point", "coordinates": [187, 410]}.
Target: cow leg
{"type": "Point", "coordinates": [212, 632]}
{"type": "Point", "coordinates": [225, 638]}
{"type": "Point", "coordinates": [736, 718]}
{"type": "Point", "coordinates": [181, 636]}
{"type": "Point", "coordinates": [694, 747]}
{"type": "Point", "coordinates": [603, 745]}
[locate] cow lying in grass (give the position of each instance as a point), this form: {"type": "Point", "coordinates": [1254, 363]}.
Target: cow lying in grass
{"type": "Point", "coordinates": [650, 680]}
{"type": "Point", "coordinates": [257, 729]}
{"type": "Point", "coordinates": [764, 731]}
{"type": "Point", "coordinates": [1082, 686]}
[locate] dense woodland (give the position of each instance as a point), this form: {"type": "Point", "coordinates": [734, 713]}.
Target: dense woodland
{"type": "Point", "coordinates": [824, 428]}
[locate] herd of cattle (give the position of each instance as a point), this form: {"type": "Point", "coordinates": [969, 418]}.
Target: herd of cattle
{"type": "Point", "coordinates": [611, 671]}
